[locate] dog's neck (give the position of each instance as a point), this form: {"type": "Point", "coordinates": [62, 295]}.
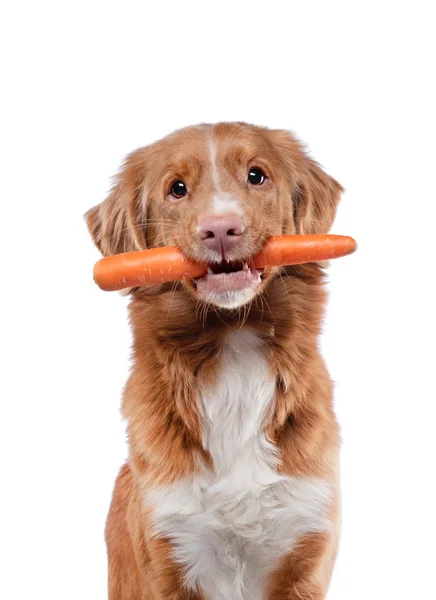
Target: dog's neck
{"type": "Point", "coordinates": [177, 345]}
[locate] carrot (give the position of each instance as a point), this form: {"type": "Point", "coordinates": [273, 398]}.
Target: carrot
{"type": "Point", "coordinates": [282, 250]}
{"type": "Point", "coordinates": [159, 265]}
{"type": "Point", "coordinates": [156, 265]}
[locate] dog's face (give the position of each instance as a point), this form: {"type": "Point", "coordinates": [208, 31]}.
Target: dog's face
{"type": "Point", "coordinates": [217, 192]}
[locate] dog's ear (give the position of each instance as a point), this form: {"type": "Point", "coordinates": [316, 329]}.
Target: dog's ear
{"type": "Point", "coordinates": [315, 199]}
{"type": "Point", "coordinates": [118, 223]}
{"type": "Point", "coordinates": [315, 195]}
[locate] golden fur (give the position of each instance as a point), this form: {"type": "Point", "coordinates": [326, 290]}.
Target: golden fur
{"type": "Point", "coordinates": [177, 339]}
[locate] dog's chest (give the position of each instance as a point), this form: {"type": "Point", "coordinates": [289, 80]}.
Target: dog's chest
{"type": "Point", "coordinates": [230, 528]}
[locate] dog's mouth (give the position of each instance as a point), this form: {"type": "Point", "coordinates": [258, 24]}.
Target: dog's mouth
{"type": "Point", "coordinates": [229, 283]}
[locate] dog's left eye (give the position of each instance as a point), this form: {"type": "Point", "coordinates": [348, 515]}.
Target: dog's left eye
{"type": "Point", "coordinates": [256, 176]}
{"type": "Point", "coordinates": [178, 189]}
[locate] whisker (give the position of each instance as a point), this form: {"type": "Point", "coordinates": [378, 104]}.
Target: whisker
{"type": "Point", "coordinates": [171, 297]}
{"type": "Point", "coordinates": [270, 311]}
{"type": "Point", "coordinates": [217, 314]}
{"type": "Point", "coordinates": [263, 307]}
{"type": "Point", "coordinates": [158, 222]}
{"type": "Point", "coordinates": [201, 311]}
{"type": "Point", "coordinates": [285, 286]}
{"type": "Point", "coordinates": [126, 229]}
{"type": "Point", "coordinates": [245, 313]}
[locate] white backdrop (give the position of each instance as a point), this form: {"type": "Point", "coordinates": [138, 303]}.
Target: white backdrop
{"type": "Point", "coordinates": [86, 82]}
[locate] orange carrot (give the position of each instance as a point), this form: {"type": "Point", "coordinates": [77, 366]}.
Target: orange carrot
{"type": "Point", "coordinates": [159, 265]}
{"type": "Point", "coordinates": [282, 250]}
{"type": "Point", "coordinates": [156, 265]}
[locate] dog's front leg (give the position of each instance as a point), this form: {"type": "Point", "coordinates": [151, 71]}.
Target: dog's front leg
{"type": "Point", "coordinates": [166, 576]}
{"type": "Point", "coordinates": [304, 573]}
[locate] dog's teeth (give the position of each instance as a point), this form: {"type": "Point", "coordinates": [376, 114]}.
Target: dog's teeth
{"type": "Point", "coordinates": [209, 271]}
{"type": "Point", "coordinates": [245, 267]}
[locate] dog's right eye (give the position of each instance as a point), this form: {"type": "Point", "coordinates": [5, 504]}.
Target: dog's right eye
{"type": "Point", "coordinates": [178, 189]}
{"type": "Point", "coordinates": [256, 176]}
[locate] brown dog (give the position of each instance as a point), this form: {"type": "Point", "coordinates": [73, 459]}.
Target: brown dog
{"type": "Point", "coordinates": [231, 488]}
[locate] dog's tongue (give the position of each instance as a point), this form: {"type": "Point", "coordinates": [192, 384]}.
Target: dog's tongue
{"type": "Point", "coordinates": [227, 282]}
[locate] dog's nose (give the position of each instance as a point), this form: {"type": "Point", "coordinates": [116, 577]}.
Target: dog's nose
{"type": "Point", "coordinates": [221, 233]}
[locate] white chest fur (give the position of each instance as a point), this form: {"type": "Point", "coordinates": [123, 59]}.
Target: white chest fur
{"type": "Point", "coordinates": [229, 528]}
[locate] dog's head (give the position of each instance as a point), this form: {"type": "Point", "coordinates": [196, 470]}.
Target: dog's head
{"type": "Point", "coordinates": [217, 192]}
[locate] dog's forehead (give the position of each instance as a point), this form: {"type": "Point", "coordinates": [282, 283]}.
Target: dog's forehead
{"type": "Point", "coordinates": [211, 146]}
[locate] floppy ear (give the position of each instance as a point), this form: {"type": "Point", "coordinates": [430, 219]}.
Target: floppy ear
{"type": "Point", "coordinates": [118, 223]}
{"type": "Point", "coordinates": [315, 199]}
{"type": "Point", "coordinates": [315, 195]}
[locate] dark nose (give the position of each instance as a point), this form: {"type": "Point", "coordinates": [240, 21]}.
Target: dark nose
{"type": "Point", "coordinates": [221, 233]}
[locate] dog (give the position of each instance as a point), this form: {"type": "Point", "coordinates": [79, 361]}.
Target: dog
{"type": "Point", "coordinates": [231, 487]}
